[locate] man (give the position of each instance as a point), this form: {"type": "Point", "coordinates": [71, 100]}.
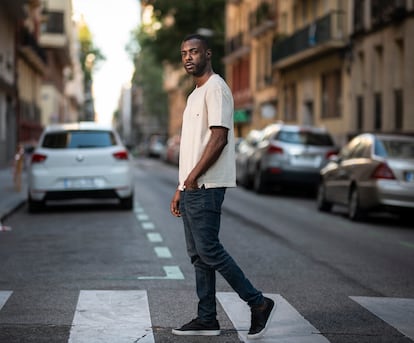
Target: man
{"type": "Point", "coordinates": [206, 169]}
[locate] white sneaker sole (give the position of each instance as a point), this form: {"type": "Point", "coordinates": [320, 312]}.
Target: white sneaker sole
{"type": "Point", "coordinates": [196, 332]}
{"type": "Point", "coordinates": [261, 333]}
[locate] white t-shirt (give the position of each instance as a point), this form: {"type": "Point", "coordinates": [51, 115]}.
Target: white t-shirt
{"type": "Point", "coordinates": [207, 106]}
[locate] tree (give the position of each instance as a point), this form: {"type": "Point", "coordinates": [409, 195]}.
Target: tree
{"type": "Point", "coordinates": [179, 18]}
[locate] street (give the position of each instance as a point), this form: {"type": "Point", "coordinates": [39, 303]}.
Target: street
{"type": "Point", "coordinates": [92, 272]}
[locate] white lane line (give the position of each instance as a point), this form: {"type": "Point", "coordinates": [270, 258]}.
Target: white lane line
{"type": "Point", "coordinates": [142, 217]}
{"type": "Point", "coordinates": [112, 316]}
{"type": "Point", "coordinates": [154, 237]}
{"type": "Point", "coordinates": [138, 210]}
{"type": "Point", "coordinates": [398, 312]}
{"type": "Point", "coordinates": [287, 325]}
{"type": "Point", "coordinates": [4, 296]}
{"type": "Point", "coordinates": [171, 273]}
{"type": "Point", "coordinates": [148, 226]}
{"type": "Point", "coordinates": [163, 252]}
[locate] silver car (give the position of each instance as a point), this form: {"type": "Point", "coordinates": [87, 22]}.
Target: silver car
{"type": "Point", "coordinates": [289, 155]}
{"type": "Point", "coordinates": [372, 172]}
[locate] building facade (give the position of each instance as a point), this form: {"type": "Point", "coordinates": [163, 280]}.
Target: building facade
{"type": "Point", "coordinates": [344, 65]}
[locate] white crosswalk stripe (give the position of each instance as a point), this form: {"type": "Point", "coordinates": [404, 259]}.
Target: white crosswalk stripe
{"type": "Point", "coordinates": [397, 312]}
{"type": "Point", "coordinates": [4, 295]}
{"type": "Point", "coordinates": [123, 316]}
{"type": "Point", "coordinates": [286, 326]}
{"type": "Point", "coordinates": [112, 316]}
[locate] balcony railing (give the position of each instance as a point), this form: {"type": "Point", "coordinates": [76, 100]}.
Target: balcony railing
{"type": "Point", "coordinates": [28, 40]}
{"type": "Point", "coordinates": [328, 29]}
{"type": "Point", "coordinates": [55, 23]}
{"type": "Point", "coordinates": [234, 43]}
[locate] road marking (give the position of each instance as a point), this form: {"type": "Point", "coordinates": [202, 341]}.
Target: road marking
{"type": "Point", "coordinates": [407, 244]}
{"type": "Point", "coordinates": [138, 210]}
{"type": "Point", "coordinates": [112, 316]}
{"type": "Point", "coordinates": [171, 273]}
{"type": "Point", "coordinates": [163, 252]}
{"type": "Point", "coordinates": [154, 237]}
{"type": "Point", "coordinates": [398, 312]}
{"type": "Point", "coordinates": [142, 216]}
{"type": "Point", "coordinates": [148, 226]}
{"type": "Point", "coordinates": [4, 296]}
{"type": "Point", "coordinates": [287, 325]}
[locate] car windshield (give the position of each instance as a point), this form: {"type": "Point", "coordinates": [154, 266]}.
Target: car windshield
{"type": "Point", "coordinates": [394, 148]}
{"type": "Point", "coordinates": [78, 139]}
{"type": "Point", "coordinates": [305, 137]}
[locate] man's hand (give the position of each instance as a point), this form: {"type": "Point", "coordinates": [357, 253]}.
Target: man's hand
{"type": "Point", "coordinates": [175, 204]}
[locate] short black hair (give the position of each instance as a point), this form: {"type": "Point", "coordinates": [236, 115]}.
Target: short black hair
{"type": "Point", "coordinates": [203, 39]}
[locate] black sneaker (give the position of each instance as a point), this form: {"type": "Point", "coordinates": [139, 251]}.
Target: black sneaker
{"type": "Point", "coordinates": [261, 316]}
{"type": "Point", "coordinates": [198, 328]}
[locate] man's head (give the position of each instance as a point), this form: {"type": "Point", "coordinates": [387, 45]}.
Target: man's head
{"type": "Point", "coordinates": [196, 55]}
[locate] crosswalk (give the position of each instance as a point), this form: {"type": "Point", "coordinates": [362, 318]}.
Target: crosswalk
{"type": "Point", "coordinates": [124, 316]}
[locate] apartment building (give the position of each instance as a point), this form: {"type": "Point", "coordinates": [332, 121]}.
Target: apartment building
{"type": "Point", "coordinates": [40, 75]}
{"type": "Point", "coordinates": [56, 39]}
{"type": "Point", "coordinates": [344, 65]}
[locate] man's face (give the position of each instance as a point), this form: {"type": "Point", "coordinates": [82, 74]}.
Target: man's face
{"type": "Point", "coordinates": [194, 57]}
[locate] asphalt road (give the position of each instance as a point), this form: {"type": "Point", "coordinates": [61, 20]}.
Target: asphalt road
{"type": "Point", "coordinates": [332, 278]}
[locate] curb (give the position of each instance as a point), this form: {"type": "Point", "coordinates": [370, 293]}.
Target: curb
{"type": "Point", "coordinates": [11, 209]}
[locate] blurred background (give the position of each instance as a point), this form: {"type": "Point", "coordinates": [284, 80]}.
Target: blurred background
{"type": "Point", "coordinates": [347, 66]}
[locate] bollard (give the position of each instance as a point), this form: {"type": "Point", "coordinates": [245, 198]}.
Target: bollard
{"type": "Point", "coordinates": [18, 167]}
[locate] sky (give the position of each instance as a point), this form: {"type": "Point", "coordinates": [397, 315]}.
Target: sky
{"type": "Point", "coordinates": [110, 22]}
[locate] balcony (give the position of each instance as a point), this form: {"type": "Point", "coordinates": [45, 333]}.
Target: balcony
{"type": "Point", "coordinates": [32, 52]}
{"type": "Point", "coordinates": [262, 19]}
{"type": "Point", "coordinates": [54, 35]}
{"type": "Point", "coordinates": [387, 11]}
{"type": "Point", "coordinates": [235, 48]}
{"type": "Point", "coordinates": [322, 36]}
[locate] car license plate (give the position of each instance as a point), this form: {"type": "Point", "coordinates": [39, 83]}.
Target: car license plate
{"type": "Point", "coordinates": [409, 176]}
{"type": "Point", "coordinates": [79, 183]}
{"type": "Point", "coordinates": [306, 160]}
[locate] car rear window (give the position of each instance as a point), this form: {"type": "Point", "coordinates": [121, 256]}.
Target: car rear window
{"type": "Point", "coordinates": [394, 148]}
{"type": "Point", "coordinates": [305, 137]}
{"type": "Point", "coordinates": [78, 139]}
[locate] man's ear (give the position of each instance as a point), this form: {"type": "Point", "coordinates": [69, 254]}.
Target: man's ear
{"type": "Point", "coordinates": [208, 52]}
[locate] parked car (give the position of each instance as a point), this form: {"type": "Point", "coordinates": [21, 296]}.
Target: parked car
{"type": "Point", "coordinates": [171, 152]}
{"type": "Point", "coordinates": [289, 155]}
{"type": "Point", "coordinates": [372, 172]}
{"type": "Point", "coordinates": [79, 160]}
{"type": "Point", "coordinates": [244, 151]}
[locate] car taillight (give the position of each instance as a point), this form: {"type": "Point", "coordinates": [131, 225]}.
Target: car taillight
{"type": "Point", "coordinates": [38, 158]}
{"type": "Point", "coordinates": [383, 172]}
{"type": "Point", "coordinates": [273, 149]}
{"type": "Point", "coordinates": [330, 153]}
{"type": "Point", "coordinates": [121, 155]}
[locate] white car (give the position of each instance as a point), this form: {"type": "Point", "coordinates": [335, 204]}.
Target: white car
{"type": "Point", "coordinates": [80, 161]}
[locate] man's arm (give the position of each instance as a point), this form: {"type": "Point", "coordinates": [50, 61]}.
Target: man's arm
{"type": "Point", "coordinates": [212, 152]}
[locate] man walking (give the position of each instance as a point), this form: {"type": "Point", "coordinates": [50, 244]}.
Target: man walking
{"type": "Point", "coordinates": [206, 169]}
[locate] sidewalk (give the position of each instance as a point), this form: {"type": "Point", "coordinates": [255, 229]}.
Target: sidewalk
{"type": "Point", "coordinates": [10, 198]}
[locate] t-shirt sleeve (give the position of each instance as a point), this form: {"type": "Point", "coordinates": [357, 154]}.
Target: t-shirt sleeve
{"type": "Point", "coordinates": [220, 107]}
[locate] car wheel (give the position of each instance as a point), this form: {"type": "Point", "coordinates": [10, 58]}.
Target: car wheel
{"type": "Point", "coordinates": [322, 204]}
{"type": "Point", "coordinates": [127, 203]}
{"type": "Point", "coordinates": [35, 205]}
{"type": "Point", "coordinates": [355, 212]}
{"type": "Point", "coordinates": [259, 185]}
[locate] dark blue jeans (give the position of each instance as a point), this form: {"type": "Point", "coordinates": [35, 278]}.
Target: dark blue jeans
{"type": "Point", "coordinates": [201, 211]}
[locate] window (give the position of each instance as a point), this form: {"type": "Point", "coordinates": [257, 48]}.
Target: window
{"type": "Point", "coordinates": [398, 109]}
{"type": "Point", "coordinates": [290, 103]}
{"type": "Point", "coordinates": [331, 94]}
{"type": "Point", "coordinates": [360, 113]}
{"type": "Point", "coordinates": [78, 139]}
{"type": "Point", "coordinates": [377, 111]}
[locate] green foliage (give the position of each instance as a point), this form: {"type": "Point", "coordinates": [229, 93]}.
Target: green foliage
{"type": "Point", "coordinates": [179, 18]}
{"type": "Point", "coordinates": [90, 56]}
